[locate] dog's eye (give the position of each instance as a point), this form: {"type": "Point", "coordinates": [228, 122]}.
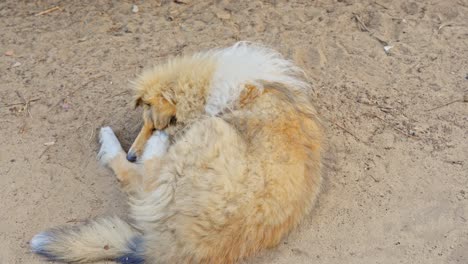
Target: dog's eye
{"type": "Point", "coordinates": [173, 120]}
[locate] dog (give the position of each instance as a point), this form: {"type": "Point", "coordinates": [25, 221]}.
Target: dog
{"type": "Point", "coordinates": [227, 162]}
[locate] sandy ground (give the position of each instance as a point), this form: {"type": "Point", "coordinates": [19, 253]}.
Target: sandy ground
{"type": "Point", "coordinates": [396, 168]}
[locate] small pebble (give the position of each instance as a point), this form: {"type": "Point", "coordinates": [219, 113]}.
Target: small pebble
{"type": "Point", "coordinates": [66, 106]}
{"type": "Point", "coordinates": [16, 64]}
{"type": "Point", "coordinates": [9, 53]}
{"type": "Point", "coordinates": [135, 9]}
{"type": "Point", "coordinates": [387, 48]}
{"type": "Point", "coordinates": [363, 100]}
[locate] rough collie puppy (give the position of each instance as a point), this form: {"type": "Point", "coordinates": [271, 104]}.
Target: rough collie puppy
{"type": "Point", "coordinates": [228, 162]}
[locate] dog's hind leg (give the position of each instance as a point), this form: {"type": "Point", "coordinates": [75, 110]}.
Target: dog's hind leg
{"type": "Point", "coordinates": [112, 155]}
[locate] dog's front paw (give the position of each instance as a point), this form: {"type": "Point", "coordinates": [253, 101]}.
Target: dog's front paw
{"type": "Point", "coordinates": [156, 146]}
{"type": "Point", "coordinates": [110, 145]}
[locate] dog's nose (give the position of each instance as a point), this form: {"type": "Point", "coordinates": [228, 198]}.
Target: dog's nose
{"type": "Point", "coordinates": [131, 156]}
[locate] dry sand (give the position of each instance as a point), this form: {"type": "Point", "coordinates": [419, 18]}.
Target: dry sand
{"type": "Point", "coordinates": [396, 188]}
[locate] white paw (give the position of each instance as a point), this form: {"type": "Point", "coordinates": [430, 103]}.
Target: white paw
{"type": "Point", "coordinates": [156, 146]}
{"type": "Point", "coordinates": [110, 145]}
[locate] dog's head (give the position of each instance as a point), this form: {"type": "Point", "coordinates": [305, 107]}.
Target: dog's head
{"type": "Point", "coordinates": [158, 111]}
{"type": "Point", "coordinates": [171, 95]}
{"type": "Point", "coordinates": [158, 114]}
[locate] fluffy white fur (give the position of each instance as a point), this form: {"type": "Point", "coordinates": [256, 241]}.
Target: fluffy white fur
{"type": "Point", "coordinates": [247, 63]}
{"type": "Point", "coordinates": [156, 146]}
{"type": "Point", "coordinates": [110, 145]}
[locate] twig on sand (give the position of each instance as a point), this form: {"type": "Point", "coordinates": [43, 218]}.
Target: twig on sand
{"type": "Point", "coordinates": [50, 10]}
{"type": "Point", "coordinates": [363, 27]}
{"type": "Point", "coordinates": [381, 5]}
{"type": "Point", "coordinates": [442, 26]}
{"type": "Point", "coordinates": [44, 151]}
{"type": "Point", "coordinates": [27, 107]}
{"type": "Point", "coordinates": [91, 134]}
{"type": "Point", "coordinates": [347, 131]}
{"type": "Point", "coordinates": [390, 125]}
{"type": "Point", "coordinates": [121, 93]}
{"type": "Point", "coordinates": [26, 103]}
{"type": "Point", "coordinates": [13, 104]}
{"type": "Point", "coordinates": [75, 220]}
{"type": "Point", "coordinates": [375, 180]}
{"type": "Point", "coordinates": [22, 103]}
{"type": "Point", "coordinates": [465, 99]}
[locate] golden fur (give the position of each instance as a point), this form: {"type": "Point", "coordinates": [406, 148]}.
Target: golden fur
{"type": "Point", "coordinates": [229, 184]}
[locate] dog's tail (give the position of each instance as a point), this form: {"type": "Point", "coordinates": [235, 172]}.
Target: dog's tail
{"type": "Point", "coordinates": [102, 239]}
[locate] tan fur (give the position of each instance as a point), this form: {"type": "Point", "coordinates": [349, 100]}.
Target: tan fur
{"type": "Point", "coordinates": [240, 181]}
{"type": "Point", "coordinates": [229, 185]}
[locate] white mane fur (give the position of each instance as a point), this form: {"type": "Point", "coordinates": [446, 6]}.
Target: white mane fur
{"type": "Point", "coordinates": [247, 63]}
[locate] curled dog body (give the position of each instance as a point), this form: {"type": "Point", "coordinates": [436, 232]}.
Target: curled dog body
{"type": "Point", "coordinates": [228, 162]}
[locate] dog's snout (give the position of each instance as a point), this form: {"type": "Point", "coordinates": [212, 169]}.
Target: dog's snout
{"type": "Point", "coordinates": [131, 156]}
